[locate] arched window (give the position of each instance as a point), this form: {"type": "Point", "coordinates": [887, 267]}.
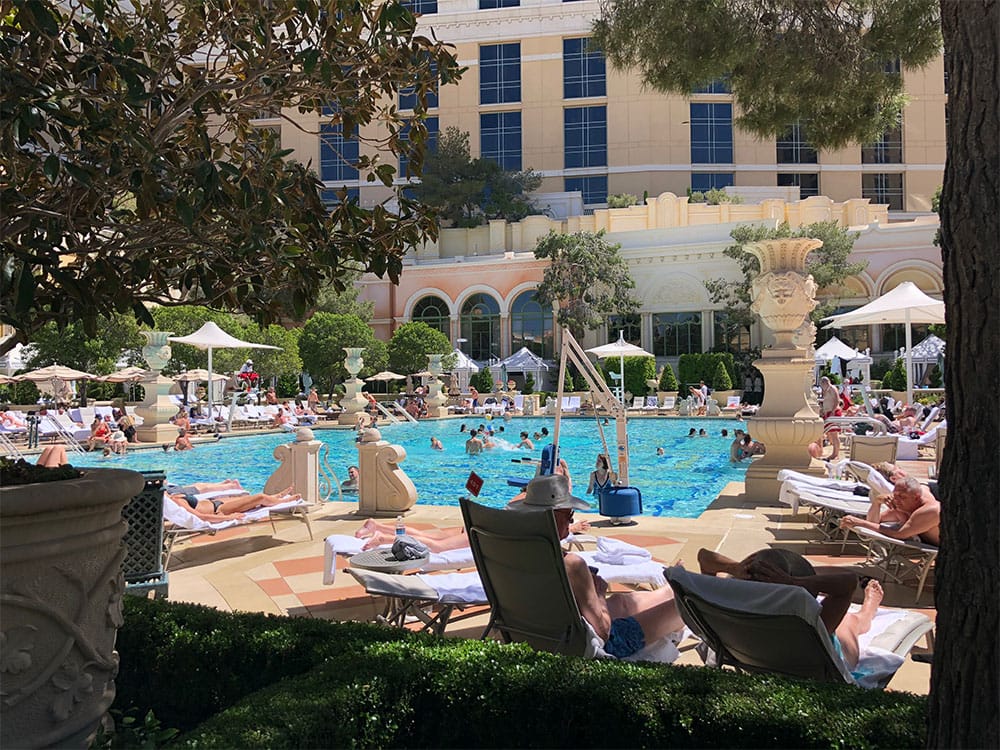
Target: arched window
{"type": "Point", "coordinates": [676, 333]}
{"type": "Point", "coordinates": [434, 312]}
{"type": "Point", "coordinates": [531, 325]}
{"type": "Point", "coordinates": [480, 323]}
{"type": "Point", "coordinates": [629, 326]}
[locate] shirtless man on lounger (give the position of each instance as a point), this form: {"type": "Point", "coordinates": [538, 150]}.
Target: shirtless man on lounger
{"type": "Point", "coordinates": [227, 507]}
{"type": "Point", "coordinates": [911, 511]}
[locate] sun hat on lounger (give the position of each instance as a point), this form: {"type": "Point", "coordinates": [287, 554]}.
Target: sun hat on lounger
{"type": "Point", "coordinates": [548, 492]}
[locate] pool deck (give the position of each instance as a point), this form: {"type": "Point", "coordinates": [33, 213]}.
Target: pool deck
{"type": "Point", "coordinates": [253, 569]}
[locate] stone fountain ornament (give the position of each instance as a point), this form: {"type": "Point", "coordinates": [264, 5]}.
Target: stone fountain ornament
{"type": "Point", "coordinates": [156, 408]}
{"type": "Point", "coordinates": [437, 399]}
{"type": "Point", "coordinates": [352, 402]}
{"type": "Point", "coordinates": [783, 295]}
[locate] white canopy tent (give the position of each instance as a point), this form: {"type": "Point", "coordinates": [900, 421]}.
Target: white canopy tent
{"type": "Point", "coordinates": [925, 355]}
{"type": "Point", "coordinates": [463, 369]}
{"type": "Point", "coordinates": [526, 361]}
{"type": "Point", "coordinates": [210, 337]}
{"type": "Point", "coordinates": [621, 349]}
{"type": "Point", "coordinates": [836, 350]}
{"type": "Point", "coordinates": [905, 305]}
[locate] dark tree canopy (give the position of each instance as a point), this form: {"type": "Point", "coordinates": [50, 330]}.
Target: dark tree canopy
{"type": "Point", "coordinates": [785, 60]}
{"type": "Point", "coordinates": [133, 173]}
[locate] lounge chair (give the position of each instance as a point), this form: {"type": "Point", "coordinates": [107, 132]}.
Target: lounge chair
{"type": "Point", "coordinates": [651, 405]}
{"type": "Point", "coordinates": [182, 524]}
{"type": "Point", "coordinates": [732, 403]}
{"type": "Point", "coordinates": [669, 405]}
{"type": "Point", "coordinates": [828, 500]}
{"type": "Point", "coordinates": [772, 628]}
{"type": "Point", "coordinates": [873, 449]}
{"type": "Point", "coordinates": [902, 560]}
{"type": "Point", "coordinates": [939, 441]}
{"type": "Point", "coordinates": [521, 565]}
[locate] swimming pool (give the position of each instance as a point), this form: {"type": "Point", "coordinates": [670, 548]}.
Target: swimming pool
{"type": "Point", "coordinates": [681, 483]}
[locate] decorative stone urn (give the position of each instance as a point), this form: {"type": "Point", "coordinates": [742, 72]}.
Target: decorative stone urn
{"type": "Point", "coordinates": [783, 296]}
{"type": "Point", "coordinates": [156, 408]}
{"type": "Point", "coordinates": [61, 605]}
{"type": "Point", "coordinates": [352, 402]}
{"type": "Point", "coordinates": [436, 400]}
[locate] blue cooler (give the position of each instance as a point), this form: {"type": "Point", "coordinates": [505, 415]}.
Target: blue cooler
{"type": "Point", "coordinates": [619, 502]}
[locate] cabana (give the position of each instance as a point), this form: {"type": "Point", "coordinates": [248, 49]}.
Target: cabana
{"type": "Point", "coordinates": [836, 351]}
{"type": "Point", "coordinates": [925, 355]}
{"type": "Point", "coordinates": [526, 361]}
{"type": "Point", "coordinates": [463, 369]}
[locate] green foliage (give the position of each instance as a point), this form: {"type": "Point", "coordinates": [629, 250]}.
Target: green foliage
{"type": "Point", "coordinates": [19, 393]}
{"type": "Point", "coordinates": [98, 354]}
{"type": "Point", "coordinates": [345, 301]}
{"type": "Point", "coordinates": [482, 381]}
{"type": "Point", "coordinates": [263, 681]}
{"type": "Point", "coordinates": [935, 377]}
{"type": "Point", "coordinates": [568, 385]}
{"type": "Point", "coordinates": [410, 345]}
{"type": "Point", "coordinates": [133, 175]}
{"type": "Point", "coordinates": [622, 200]}
{"type": "Point", "coordinates": [668, 381]}
{"type": "Point", "coordinates": [721, 381]}
{"type": "Point", "coordinates": [467, 191]}
{"type": "Point", "coordinates": [637, 371]}
{"type": "Point", "coordinates": [829, 65]}
{"type": "Point", "coordinates": [132, 732]}
{"type": "Point", "coordinates": [694, 367]}
{"type": "Point", "coordinates": [895, 378]}
{"type": "Point", "coordinates": [529, 384]}
{"type": "Point", "coordinates": [322, 343]}
{"type": "Point", "coordinates": [827, 264]}
{"type": "Point", "coordinates": [713, 197]}
{"type": "Point", "coordinates": [587, 277]}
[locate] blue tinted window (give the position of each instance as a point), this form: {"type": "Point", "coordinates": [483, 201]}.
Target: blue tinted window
{"type": "Point", "coordinates": [330, 198]}
{"type": "Point", "coordinates": [886, 150]}
{"type": "Point", "coordinates": [711, 133]}
{"type": "Point", "coordinates": [792, 147]}
{"type": "Point", "coordinates": [500, 73]}
{"type": "Point", "coordinates": [500, 138]}
{"type": "Point", "coordinates": [594, 189]}
{"type": "Point", "coordinates": [422, 7]}
{"type": "Point", "coordinates": [718, 86]}
{"type": "Point", "coordinates": [585, 134]}
{"type": "Point", "coordinates": [702, 181]}
{"type": "Point", "coordinates": [492, 4]}
{"type": "Point", "coordinates": [883, 188]}
{"type": "Point", "coordinates": [337, 155]}
{"type": "Point", "coordinates": [408, 95]}
{"type": "Point", "coordinates": [583, 69]}
{"type": "Point", "coordinates": [808, 184]}
{"type": "Point", "coordinates": [431, 123]}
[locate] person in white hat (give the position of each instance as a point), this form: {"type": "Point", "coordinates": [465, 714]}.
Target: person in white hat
{"type": "Point", "coordinates": [626, 621]}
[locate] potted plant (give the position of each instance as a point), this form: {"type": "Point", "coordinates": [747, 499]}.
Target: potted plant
{"type": "Point", "coordinates": [60, 592]}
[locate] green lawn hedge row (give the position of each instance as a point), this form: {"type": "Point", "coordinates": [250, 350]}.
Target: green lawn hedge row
{"type": "Point", "coordinates": [283, 683]}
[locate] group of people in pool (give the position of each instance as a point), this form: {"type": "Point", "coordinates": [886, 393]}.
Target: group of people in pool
{"type": "Point", "coordinates": [742, 447]}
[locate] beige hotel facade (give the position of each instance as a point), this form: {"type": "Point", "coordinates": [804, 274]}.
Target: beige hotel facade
{"type": "Point", "coordinates": [536, 96]}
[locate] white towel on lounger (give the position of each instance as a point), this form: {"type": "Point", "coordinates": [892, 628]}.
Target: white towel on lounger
{"type": "Point", "coordinates": [617, 552]}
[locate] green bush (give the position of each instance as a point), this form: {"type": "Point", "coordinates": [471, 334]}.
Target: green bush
{"type": "Point", "coordinates": [568, 385]}
{"type": "Point", "coordinates": [249, 680]}
{"type": "Point", "coordinates": [720, 379]}
{"type": "Point", "coordinates": [622, 200]}
{"type": "Point", "coordinates": [529, 384]}
{"type": "Point", "coordinates": [637, 371]}
{"type": "Point", "coordinates": [668, 381]}
{"type": "Point", "coordinates": [694, 367]}
{"type": "Point", "coordinates": [895, 378]}
{"type": "Point", "coordinates": [482, 381]}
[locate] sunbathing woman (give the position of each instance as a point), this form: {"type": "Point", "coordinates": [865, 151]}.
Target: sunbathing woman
{"type": "Point", "coordinates": [229, 507]}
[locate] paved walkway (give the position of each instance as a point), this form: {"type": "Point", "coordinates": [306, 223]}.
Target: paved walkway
{"type": "Point", "coordinates": [251, 569]}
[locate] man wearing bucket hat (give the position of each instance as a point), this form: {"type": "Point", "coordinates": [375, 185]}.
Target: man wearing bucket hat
{"type": "Point", "coordinates": [626, 621]}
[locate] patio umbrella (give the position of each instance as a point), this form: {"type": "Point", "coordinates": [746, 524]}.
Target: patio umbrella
{"type": "Point", "coordinates": [210, 337]}
{"type": "Point", "coordinates": [384, 377]}
{"type": "Point", "coordinates": [199, 375]}
{"type": "Point", "coordinates": [905, 304]}
{"type": "Point", "coordinates": [54, 371]}
{"type": "Point", "coordinates": [621, 349]}
{"type": "Point", "coordinates": [126, 375]}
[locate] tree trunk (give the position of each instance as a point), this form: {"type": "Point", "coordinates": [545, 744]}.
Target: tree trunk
{"type": "Point", "coordinates": [965, 689]}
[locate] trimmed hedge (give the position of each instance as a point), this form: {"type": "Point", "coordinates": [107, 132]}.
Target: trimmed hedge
{"type": "Point", "coordinates": [668, 381]}
{"type": "Point", "coordinates": [694, 367]}
{"type": "Point", "coordinates": [350, 685]}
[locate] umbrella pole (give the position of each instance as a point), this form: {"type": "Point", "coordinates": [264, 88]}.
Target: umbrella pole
{"type": "Point", "coordinates": [209, 382]}
{"type": "Point", "coordinates": [909, 359]}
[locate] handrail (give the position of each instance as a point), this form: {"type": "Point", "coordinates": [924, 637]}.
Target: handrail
{"type": "Point", "coordinates": [404, 412]}
{"type": "Point", "coordinates": [8, 447]}
{"type": "Point", "coordinates": [392, 417]}
{"type": "Point", "coordinates": [67, 437]}
{"type": "Point", "coordinates": [327, 478]}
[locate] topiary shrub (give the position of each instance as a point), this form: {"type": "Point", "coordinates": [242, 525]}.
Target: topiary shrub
{"type": "Point", "coordinates": [568, 384]}
{"type": "Point", "coordinates": [720, 379]}
{"type": "Point", "coordinates": [482, 381]}
{"type": "Point", "coordinates": [668, 381]}
{"type": "Point", "coordinates": [895, 378]}
{"type": "Point", "coordinates": [529, 384]}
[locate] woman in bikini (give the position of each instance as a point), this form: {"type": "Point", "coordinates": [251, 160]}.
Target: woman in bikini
{"type": "Point", "coordinates": [227, 507]}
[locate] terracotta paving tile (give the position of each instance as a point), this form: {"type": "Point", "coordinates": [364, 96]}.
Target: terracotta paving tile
{"type": "Point", "coordinates": [300, 565]}
{"type": "Point", "coordinates": [274, 586]}
{"type": "Point", "coordinates": [344, 595]}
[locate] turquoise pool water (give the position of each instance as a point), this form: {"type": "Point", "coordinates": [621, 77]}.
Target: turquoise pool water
{"type": "Point", "coordinates": [681, 483]}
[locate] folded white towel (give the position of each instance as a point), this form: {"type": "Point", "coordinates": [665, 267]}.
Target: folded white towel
{"type": "Point", "coordinates": [617, 552]}
{"type": "Point", "coordinates": [648, 572]}
{"type": "Point", "coordinates": [457, 588]}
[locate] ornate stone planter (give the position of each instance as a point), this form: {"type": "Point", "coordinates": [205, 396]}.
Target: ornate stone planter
{"type": "Point", "coordinates": [61, 553]}
{"type": "Point", "coordinates": [352, 401]}
{"type": "Point", "coordinates": [157, 408]}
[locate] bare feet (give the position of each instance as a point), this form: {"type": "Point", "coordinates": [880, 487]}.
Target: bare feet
{"type": "Point", "coordinates": [368, 528]}
{"type": "Point", "coordinates": [377, 540]}
{"type": "Point", "coordinates": [873, 598]}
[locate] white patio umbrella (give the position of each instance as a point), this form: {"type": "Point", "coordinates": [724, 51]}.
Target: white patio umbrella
{"type": "Point", "coordinates": [210, 337]}
{"type": "Point", "coordinates": [125, 375]}
{"type": "Point", "coordinates": [384, 377]}
{"type": "Point", "coordinates": [621, 349]}
{"type": "Point", "coordinates": [54, 371]}
{"type": "Point", "coordinates": [199, 375]}
{"type": "Point", "coordinates": [905, 304]}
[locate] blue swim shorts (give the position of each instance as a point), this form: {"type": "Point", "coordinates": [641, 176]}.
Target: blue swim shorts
{"type": "Point", "coordinates": [625, 639]}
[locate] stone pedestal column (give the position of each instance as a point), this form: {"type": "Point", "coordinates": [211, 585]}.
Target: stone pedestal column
{"type": "Point", "coordinates": [783, 297]}
{"type": "Point", "coordinates": [352, 401]}
{"type": "Point", "coordinates": [156, 408]}
{"type": "Point", "coordinates": [299, 466]}
{"type": "Point", "coordinates": [436, 399]}
{"type": "Point", "coordinates": [383, 488]}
